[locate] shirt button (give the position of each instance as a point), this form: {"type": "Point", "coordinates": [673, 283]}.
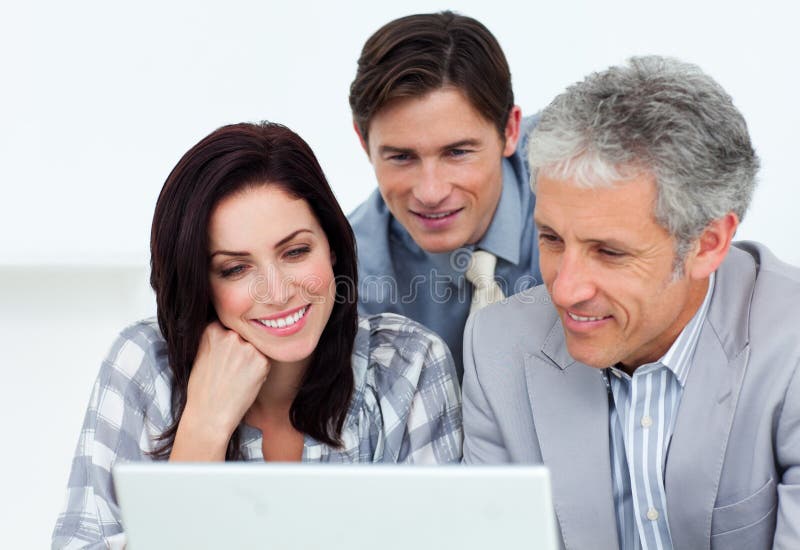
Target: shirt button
{"type": "Point", "coordinates": [652, 514]}
{"type": "Point", "coordinates": [646, 423]}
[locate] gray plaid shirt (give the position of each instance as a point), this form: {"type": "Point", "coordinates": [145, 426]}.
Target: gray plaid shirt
{"type": "Point", "coordinates": [406, 408]}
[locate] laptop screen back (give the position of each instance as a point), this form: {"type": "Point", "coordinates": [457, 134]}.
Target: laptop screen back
{"type": "Point", "coordinates": [332, 507]}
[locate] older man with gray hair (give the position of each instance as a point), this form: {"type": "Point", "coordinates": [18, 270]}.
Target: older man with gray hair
{"type": "Point", "coordinates": [656, 371]}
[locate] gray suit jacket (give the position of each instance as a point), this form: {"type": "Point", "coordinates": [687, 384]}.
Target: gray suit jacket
{"type": "Point", "coordinates": [733, 466]}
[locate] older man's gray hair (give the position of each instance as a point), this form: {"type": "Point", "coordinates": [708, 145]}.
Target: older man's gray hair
{"type": "Point", "coordinates": [653, 115]}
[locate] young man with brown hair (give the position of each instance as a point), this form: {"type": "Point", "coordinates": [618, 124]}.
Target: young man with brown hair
{"type": "Point", "coordinates": [449, 228]}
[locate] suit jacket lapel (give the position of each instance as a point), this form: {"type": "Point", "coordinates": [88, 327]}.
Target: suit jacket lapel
{"type": "Point", "coordinates": [570, 410]}
{"type": "Point", "coordinates": [708, 404]}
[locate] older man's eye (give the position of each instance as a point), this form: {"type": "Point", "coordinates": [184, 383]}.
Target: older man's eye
{"type": "Point", "coordinates": [611, 253]}
{"type": "Point", "coordinates": [548, 238]}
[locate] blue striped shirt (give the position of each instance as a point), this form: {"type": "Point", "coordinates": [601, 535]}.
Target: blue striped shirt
{"type": "Point", "coordinates": [643, 412]}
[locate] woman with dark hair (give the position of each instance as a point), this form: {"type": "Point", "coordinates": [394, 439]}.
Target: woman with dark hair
{"type": "Point", "coordinates": [258, 352]}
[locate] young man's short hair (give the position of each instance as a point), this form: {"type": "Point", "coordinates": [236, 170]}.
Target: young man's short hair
{"type": "Point", "coordinates": [417, 54]}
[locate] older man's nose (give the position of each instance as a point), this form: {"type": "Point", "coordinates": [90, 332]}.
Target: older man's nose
{"type": "Point", "coordinates": [573, 283]}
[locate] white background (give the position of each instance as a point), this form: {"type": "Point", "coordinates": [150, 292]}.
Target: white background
{"type": "Point", "coordinates": [100, 99]}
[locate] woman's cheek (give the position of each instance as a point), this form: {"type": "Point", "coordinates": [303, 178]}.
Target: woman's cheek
{"type": "Point", "coordinates": [233, 298]}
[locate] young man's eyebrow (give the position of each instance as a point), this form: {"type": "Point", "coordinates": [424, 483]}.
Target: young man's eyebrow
{"type": "Point", "coordinates": [469, 142]}
{"type": "Point", "coordinates": [391, 149]}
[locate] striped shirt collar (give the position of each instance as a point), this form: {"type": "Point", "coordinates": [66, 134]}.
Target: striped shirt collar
{"type": "Point", "coordinates": [678, 357]}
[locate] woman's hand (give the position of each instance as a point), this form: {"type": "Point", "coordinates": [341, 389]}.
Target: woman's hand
{"type": "Point", "coordinates": [226, 377]}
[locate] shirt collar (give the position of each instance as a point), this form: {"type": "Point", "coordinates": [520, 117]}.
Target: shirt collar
{"type": "Point", "coordinates": [448, 265]}
{"type": "Point", "coordinates": [678, 357]}
{"type": "Point", "coordinates": [504, 235]}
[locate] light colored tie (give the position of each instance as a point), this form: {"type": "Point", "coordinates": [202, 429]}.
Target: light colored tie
{"type": "Point", "coordinates": [481, 274]}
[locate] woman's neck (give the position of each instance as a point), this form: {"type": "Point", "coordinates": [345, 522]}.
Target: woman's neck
{"type": "Point", "coordinates": [270, 413]}
{"type": "Point", "coordinates": [278, 391]}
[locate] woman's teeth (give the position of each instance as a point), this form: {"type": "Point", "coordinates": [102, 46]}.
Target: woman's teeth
{"type": "Point", "coordinates": [287, 321]}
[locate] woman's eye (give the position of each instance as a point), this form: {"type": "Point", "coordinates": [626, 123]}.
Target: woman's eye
{"type": "Point", "coordinates": [231, 271]}
{"type": "Point", "coordinates": [298, 252]}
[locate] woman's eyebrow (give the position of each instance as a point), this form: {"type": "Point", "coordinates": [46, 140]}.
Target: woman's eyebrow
{"type": "Point", "coordinates": [291, 236]}
{"type": "Point", "coordinates": [283, 241]}
{"type": "Point", "coordinates": [228, 253]}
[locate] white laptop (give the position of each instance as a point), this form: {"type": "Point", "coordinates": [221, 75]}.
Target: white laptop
{"type": "Point", "coordinates": [335, 507]}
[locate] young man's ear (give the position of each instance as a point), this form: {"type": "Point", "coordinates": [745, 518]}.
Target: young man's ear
{"type": "Point", "coordinates": [512, 130]}
{"type": "Point", "coordinates": [361, 138]}
{"type": "Point", "coordinates": [712, 246]}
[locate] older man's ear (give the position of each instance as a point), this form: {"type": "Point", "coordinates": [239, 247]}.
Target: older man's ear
{"type": "Point", "coordinates": [712, 246]}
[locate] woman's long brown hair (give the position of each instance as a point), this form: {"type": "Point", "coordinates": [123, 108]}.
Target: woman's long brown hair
{"type": "Point", "coordinates": [230, 159]}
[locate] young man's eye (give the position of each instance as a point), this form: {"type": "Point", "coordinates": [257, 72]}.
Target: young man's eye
{"type": "Point", "coordinates": [400, 157]}
{"type": "Point", "coordinates": [458, 152]}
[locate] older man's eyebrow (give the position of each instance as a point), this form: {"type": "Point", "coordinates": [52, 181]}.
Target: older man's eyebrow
{"type": "Point", "coordinates": [544, 227]}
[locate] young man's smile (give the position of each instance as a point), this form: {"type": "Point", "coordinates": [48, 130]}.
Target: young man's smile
{"type": "Point", "coordinates": [439, 166]}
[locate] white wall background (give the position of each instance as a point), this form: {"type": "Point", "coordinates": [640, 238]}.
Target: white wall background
{"type": "Point", "coordinates": [98, 100]}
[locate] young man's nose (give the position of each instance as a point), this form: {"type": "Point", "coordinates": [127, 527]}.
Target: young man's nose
{"type": "Point", "coordinates": [431, 187]}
